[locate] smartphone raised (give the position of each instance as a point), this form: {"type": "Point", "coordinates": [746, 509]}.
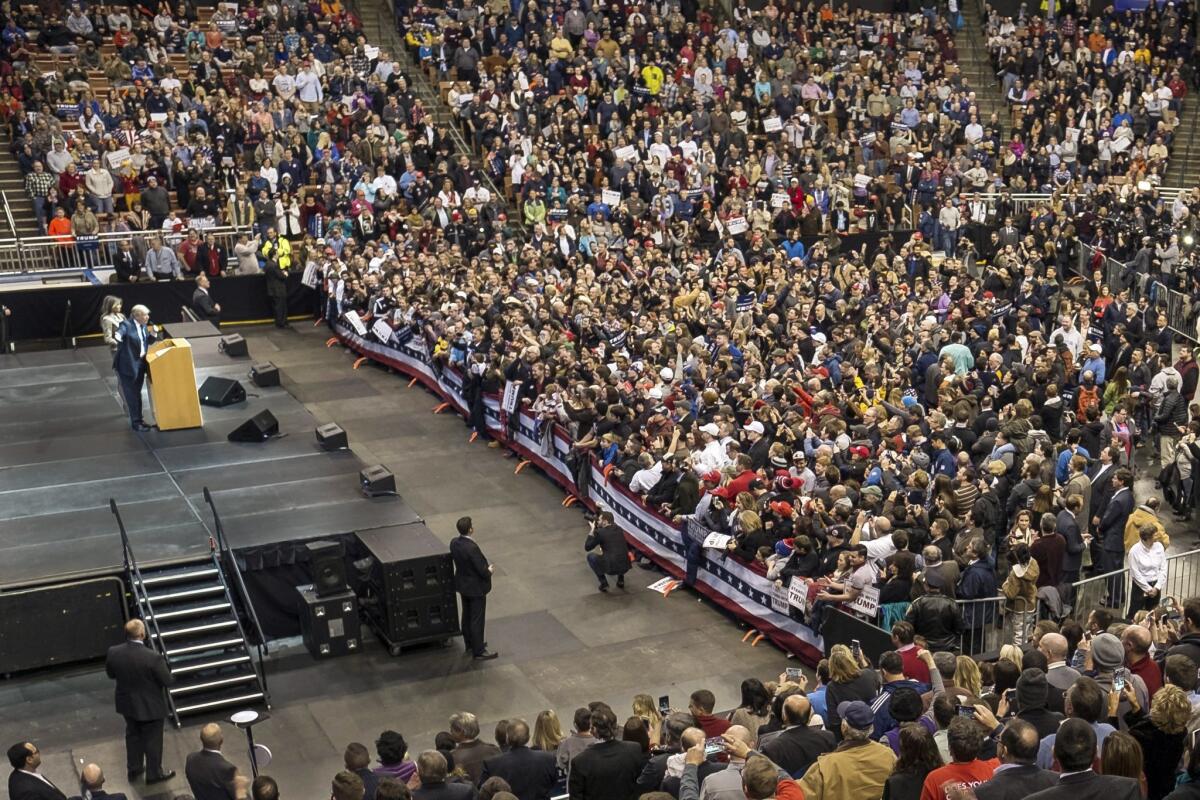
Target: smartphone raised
{"type": "Point", "coordinates": [664, 705]}
{"type": "Point", "coordinates": [713, 746]}
{"type": "Point", "coordinates": [964, 711]}
{"type": "Point", "coordinates": [1118, 680]}
{"type": "Point", "coordinates": [855, 647]}
{"type": "Point", "coordinates": [794, 673]}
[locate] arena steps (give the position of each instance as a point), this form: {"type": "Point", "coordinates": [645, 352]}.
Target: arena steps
{"type": "Point", "coordinates": [1183, 170]}
{"type": "Point", "coordinates": [193, 621]}
{"type": "Point", "coordinates": [974, 62]}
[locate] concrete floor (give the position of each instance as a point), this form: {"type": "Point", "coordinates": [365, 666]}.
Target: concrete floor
{"type": "Point", "coordinates": [561, 643]}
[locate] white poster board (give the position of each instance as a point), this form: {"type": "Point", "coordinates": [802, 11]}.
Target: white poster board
{"type": "Point", "coordinates": [736, 225]}
{"type": "Point", "coordinates": [780, 200]}
{"type": "Point", "coordinates": [356, 322]}
{"type": "Point", "coordinates": [772, 125]}
{"type": "Point", "coordinates": [509, 401]}
{"type": "Point", "coordinates": [717, 541]}
{"type": "Point", "coordinates": [626, 153]}
{"type": "Point", "coordinates": [611, 198]}
{"type": "Point", "coordinates": [798, 594]}
{"type": "Point", "coordinates": [867, 603]}
{"type": "Point", "coordinates": [382, 330]}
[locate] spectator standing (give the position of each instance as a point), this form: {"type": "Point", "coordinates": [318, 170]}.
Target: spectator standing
{"type": "Point", "coordinates": [1017, 775]}
{"type": "Point", "coordinates": [966, 741]}
{"type": "Point", "coordinates": [849, 679]}
{"type": "Point", "coordinates": [469, 751]}
{"type": "Point", "coordinates": [1075, 750]}
{"type": "Point", "coordinates": [530, 773]}
{"type": "Point", "coordinates": [473, 581]}
{"type": "Point", "coordinates": [609, 769]}
{"type": "Point", "coordinates": [858, 766]}
{"type": "Point", "coordinates": [209, 774]}
{"type": "Point", "coordinates": [1147, 562]}
{"type": "Point", "coordinates": [798, 746]}
{"type": "Point", "coordinates": [918, 757]}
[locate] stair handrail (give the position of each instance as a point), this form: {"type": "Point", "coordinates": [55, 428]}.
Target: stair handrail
{"type": "Point", "coordinates": [243, 593]}
{"type": "Point", "coordinates": [142, 597]}
{"type": "Point", "coordinates": [12, 224]}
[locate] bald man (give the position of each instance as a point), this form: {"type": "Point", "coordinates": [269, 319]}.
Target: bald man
{"type": "Point", "coordinates": [1059, 674]}
{"type": "Point", "coordinates": [1019, 774]}
{"type": "Point", "coordinates": [727, 783]}
{"type": "Point", "coordinates": [91, 780]}
{"type": "Point", "coordinates": [208, 772]}
{"type": "Point", "coordinates": [797, 748]}
{"type": "Point", "coordinates": [1136, 640]}
{"type": "Point", "coordinates": [142, 677]}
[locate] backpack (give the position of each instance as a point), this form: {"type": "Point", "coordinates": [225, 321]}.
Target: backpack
{"type": "Point", "coordinates": [1086, 396]}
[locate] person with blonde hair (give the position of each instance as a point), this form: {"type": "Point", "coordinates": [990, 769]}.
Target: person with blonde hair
{"type": "Point", "coordinates": [1010, 652]}
{"type": "Point", "coordinates": [547, 732]}
{"type": "Point", "coordinates": [849, 679]}
{"type": "Point", "coordinates": [1162, 733]}
{"type": "Point", "coordinates": [645, 707]}
{"type": "Point", "coordinates": [967, 677]}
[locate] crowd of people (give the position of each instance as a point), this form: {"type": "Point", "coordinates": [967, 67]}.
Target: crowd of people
{"type": "Point", "coordinates": [1091, 708]}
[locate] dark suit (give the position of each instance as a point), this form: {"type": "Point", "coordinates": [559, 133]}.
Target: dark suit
{"type": "Point", "coordinates": [24, 786]}
{"type": "Point", "coordinates": [471, 755]}
{"type": "Point", "coordinates": [473, 581]}
{"type": "Point", "coordinates": [1111, 534]}
{"type": "Point", "coordinates": [129, 362]}
{"type": "Point", "coordinates": [210, 775]}
{"type": "Point", "coordinates": [606, 771]}
{"type": "Point", "coordinates": [1090, 786]}
{"type": "Point", "coordinates": [530, 773]}
{"type": "Point", "coordinates": [613, 558]}
{"type": "Point", "coordinates": [443, 791]}
{"type": "Point", "coordinates": [141, 675]}
{"type": "Point", "coordinates": [370, 782]}
{"type": "Point", "coordinates": [797, 748]}
{"type": "Point", "coordinates": [205, 307]}
{"type": "Point", "coordinates": [1015, 782]}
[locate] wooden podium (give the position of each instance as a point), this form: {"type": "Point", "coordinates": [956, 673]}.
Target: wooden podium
{"type": "Point", "coordinates": [173, 394]}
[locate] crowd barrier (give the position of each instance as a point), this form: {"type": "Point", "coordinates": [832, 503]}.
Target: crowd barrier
{"type": "Point", "coordinates": [728, 582]}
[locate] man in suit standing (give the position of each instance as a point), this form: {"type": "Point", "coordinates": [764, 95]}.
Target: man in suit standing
{"type": "Point", "coordinates": [358, 760]}
{"type": "Point", "coordinates": [609, 769]}
{"type": "Point", "coordinates": [1075, 749]}
{"type": "Point", "coordinates": [91, 782]}
{"type": "Point", "coordinates": [142, 677]}
{"type": "Point", "coordinates": [25, 782]}
{"type": "Point", "coordinates": [473, 580]}
{"type": "Point", "coordinates": [530, 773]}
{"type": "Point", "coordinates": [1018, 774]}
{"type": "Point", "coordinates": [613, 558]}
{"type": "Point", "coordinates": [1111, 532]}
{"type": "Point", "coordinates": [202, 302]}
{"type": "Point", "coordinates": [209, 773]}
{"type": "Point", "coordinates": [134, 337]}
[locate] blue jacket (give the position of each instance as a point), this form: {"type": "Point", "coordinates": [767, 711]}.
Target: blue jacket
{"type": "Point", "coordinates": [882, 704]}
{"type": "Point", "coordinates": [1061, 474]}
{"type": "Point", "coordinates": [978, 581]}
{"type": "Point", "coordinates": [128, 360]}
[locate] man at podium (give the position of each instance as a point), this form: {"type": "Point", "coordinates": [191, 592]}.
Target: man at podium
{"type": "Point", "coordinates": [134, 336]}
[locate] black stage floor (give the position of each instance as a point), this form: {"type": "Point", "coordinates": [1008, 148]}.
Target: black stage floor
{"type": "Point", "coordinates": [66, 448]}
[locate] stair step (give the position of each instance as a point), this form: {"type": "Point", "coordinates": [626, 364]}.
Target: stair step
{"type": "Point", "coordinates": [192, 630]}
{"type": "Point", "coordinates": [198, 610]}
{"type": "Point", "coordinates": [213, 663]}
{"type": "Point", "coordinates": [219, 643]}
{"type": "Point", "coordinates": [187, 594]}
{"type": "Point", "coordinates": [219, 702]}
{"type": "Point", "coordinates": [191, 572]}
{"type": "Point", "coordinates": [214, 683]}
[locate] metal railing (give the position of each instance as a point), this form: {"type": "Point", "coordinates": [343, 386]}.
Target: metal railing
{"type": "Point", "coordinates": [990, 622]}
{"type": "Point", "coordinates": [98, 251]}
{"type": "Point", "coordinates": [142, 598]}
{"type": "Point", "coordinates": [12, 224]}
{"type": "Point", "coordinates": [227, 563]}
{"type": "Point", "coordinates": [1177, 306]}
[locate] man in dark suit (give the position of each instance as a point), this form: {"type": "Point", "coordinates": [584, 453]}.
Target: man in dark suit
{"type": "Point", "coordinates": [25, 782]}
{"type": "Point", "coordinates": [91, 782]}
{"type": "Point", "coordinates": [473, 580]}
{"type": "Point", "coordinates": [358, 760]}
{"type": "Point", "coordinates": [613, 558]}
{"type": "Point", "coordinates": [530, 773]}
{"type": "Point", "coordinates": [1075, 749]}
{"type": "Point", "coordinates": [797, 747]}
{"type": "Point", "coordinates": [209, 773]}
{"type": "Point", "coordinates": [431, 769]}
{"type": "Point", "coordinates": [202, 302]}
{"type": "Point", "coordinates": [1018, 774]}
{"type": "Point", "coordinates": [142, 677]}
{"type": "Point", "coordinates": [609, 769]}
{"type": "Point", "coordinates": [134, 337]}
{"type": "Point", "coordinates": [1111, 533]}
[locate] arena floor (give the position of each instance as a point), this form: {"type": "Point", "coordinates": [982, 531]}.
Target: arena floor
{"type": "Point", "coordinates": [561, 642]}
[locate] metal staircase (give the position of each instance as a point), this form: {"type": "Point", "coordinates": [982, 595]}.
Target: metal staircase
{"type": "Point", "coordinates": [192, 619]}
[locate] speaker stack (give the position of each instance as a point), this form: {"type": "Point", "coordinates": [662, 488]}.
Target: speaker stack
{"type": "Point", "coordinates": [329, 623]}
{"type": "Point", "coordinates": [411, 585]}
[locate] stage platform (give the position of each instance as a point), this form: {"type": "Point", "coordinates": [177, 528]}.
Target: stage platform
{"type": "Point", "coordinates": [66, 448]}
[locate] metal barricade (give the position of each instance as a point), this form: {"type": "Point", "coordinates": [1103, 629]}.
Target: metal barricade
{"type": "Point", "coordinates": [1183, 576]}
{"type": "Point", "coordinates": [1098, 592]}
{"type": "Point", "coordinates": [983, 625]}
{"type": "Point", "coordinates": [47, 253]}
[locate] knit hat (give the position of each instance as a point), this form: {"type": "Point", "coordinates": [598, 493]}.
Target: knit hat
{"type": "Point", "coordinates": [1032, 689]}
{"type": "Point", "coordinates": [1107, 652]}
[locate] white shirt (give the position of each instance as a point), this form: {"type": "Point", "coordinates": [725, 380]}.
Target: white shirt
{"type": "Point", "coordinates": [1148, 565]}
{"type": "Point", "coordinates": [711, 457]}
{"type": "Point", "coordinates": [646, 479]}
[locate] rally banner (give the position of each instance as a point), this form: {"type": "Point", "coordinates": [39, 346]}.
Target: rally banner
{"type": "Point", "coordinates": [727, 581]}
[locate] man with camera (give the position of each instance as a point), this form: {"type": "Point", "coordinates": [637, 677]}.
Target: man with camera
{"type": "Point", "coordinates": [613, 558]}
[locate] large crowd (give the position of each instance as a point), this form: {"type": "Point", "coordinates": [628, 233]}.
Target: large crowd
{"type": "Point", "coordinates": [772, 271]}
{"type": "Point", "coordinates": [1094, 707]}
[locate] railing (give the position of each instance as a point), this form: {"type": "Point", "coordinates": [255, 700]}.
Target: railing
{"type": "Point", "coordinates": [990, 622]}
{"type": "Point", "coordinates": [1116, 274]}
{"type": "Point", "coordinates": [5, 344]}
{"type": "Point", "coordinates": [45, 253]}
{"type": "Point", "coordinates": [67, 338]}
{"type": "Point", "coordinates": [12, 224]}
{"type": "Point", "coordinates": [142, 598]}
{"type": "Point", "coordinates": [227, 563]}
